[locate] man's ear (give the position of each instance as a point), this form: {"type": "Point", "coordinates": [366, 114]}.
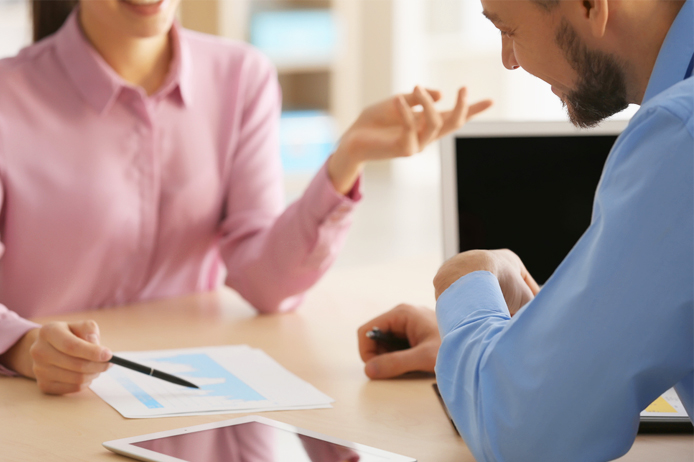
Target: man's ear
{"type": "Point", "coordinates": [596, 12]}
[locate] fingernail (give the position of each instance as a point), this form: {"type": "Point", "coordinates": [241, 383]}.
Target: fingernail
{"type": "Point", "coordinates": [371, 369]}
{"type": "Point", "coordinates": [105, 354]}
{"type": "Point", "coordinates": [93, 338]}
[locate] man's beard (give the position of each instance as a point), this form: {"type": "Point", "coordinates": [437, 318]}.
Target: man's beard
{"type": "Point", "coordinates": [601, 90]}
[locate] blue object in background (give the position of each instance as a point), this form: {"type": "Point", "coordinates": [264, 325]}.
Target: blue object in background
{"type": "Point", "coordinates": [297, 37]}
{"type": "Point", "coordinates": [307, 138]}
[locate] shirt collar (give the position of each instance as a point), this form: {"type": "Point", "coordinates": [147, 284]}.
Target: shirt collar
{"type": "Point", "coordinates": [180, 73]}
{"type": "Point", "coordinates": [675, 53]}
{"type": "Point", "coordinates": [99, 84]}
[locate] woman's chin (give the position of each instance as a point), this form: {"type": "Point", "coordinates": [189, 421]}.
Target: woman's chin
{"type": "Point", "coordinates": [146, 7]}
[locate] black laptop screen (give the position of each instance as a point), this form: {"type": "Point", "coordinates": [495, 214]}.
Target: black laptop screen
{"type": "Point", "coordinates": [533, 195]}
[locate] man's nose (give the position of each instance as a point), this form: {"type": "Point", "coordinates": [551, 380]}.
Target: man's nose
{"type": "Point", "coordinates": [508, 57]}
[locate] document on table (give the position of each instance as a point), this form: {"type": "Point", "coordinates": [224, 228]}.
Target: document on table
{"type": "Point", "coordinates": [231, 379]}
{"type": "Point", "coordinates": [666, 407]}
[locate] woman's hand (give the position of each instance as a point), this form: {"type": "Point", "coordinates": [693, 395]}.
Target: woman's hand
{"type": "Point", "coordinates": [62, 357]}
{"type": "Point", "coordinates": [418, 326]}
{"type": "Point", "coordinates": [392, 129]}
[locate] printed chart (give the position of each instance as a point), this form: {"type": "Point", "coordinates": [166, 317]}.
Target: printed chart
{"type": "Point", "coordinates": [231, 379]}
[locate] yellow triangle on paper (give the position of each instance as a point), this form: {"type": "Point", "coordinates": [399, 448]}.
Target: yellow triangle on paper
{"type": "Point", "coordinates": [660, 405]}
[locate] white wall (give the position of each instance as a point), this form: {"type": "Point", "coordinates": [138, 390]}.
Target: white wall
{"type": "Point", "coordinates": [15, 31]}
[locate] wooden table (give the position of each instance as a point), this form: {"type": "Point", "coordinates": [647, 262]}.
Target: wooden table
{"type": "Point", "coordinates": [318, 343]}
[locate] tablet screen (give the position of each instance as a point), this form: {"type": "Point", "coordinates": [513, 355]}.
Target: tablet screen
{"type": "Point", "coordinates": [254, 442]}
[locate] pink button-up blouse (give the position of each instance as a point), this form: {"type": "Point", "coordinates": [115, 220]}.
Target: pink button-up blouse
{"type": "Point", "coordinates": [109, 196]}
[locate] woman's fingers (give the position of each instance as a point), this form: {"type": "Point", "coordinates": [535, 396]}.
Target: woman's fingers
{"type": "Point", "coordinates": [462, 112]}
{"type": "Point", "coordinates": [63, 337]}
{"type": "Point", "coordinates": [64, 361]}
{"type": "Point", "coordinates": [436, 124]}
{"type": "Point", "coordinates": [408, 143]}
{"type": "Point", "coordinates": [87, 330]}
{"type": "Point", "coordinates": [457, 117]}
{"type": "Point", "coordinates": [478, 107]}
{"type": "Point", "coordinates": [46, 353]}
{"type": "Point", "coordinates": [412, 99]}
{"type": "Point", "coordinates": [392, 128]}
{"type": "Point", "coordinates": [61, 375]}
{"type": "Point", "coordinates": [432, 120]}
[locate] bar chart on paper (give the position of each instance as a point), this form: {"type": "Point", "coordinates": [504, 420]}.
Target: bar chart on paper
{"type": "Point", "coordinates": [231, 379]}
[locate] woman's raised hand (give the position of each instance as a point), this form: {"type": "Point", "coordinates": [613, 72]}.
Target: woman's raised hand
{"type": "Point", "coordinates": [392, 128]}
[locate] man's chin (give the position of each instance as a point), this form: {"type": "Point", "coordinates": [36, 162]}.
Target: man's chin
{"type": "Point", "coordinates": [583, 117]}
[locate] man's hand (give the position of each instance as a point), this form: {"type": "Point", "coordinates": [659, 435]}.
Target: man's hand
{"type": "Point", "coordinates": [418, 326]}
{"type": "Point", "coordinates": [516, 283]}
{"type": "Point", "coordinates": [391, 129]}
{"type": "Point", "coordinates": [62, 357]}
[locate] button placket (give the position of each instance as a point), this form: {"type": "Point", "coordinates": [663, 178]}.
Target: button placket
{"type": "Point", "coordinates": [149, 185]}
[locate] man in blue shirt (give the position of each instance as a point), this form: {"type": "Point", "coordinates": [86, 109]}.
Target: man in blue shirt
{"type": "Point", "coordinates": [563, 373]}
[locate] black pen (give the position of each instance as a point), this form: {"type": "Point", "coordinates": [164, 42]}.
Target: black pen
{"type": "Point", "coordinates": [388, 339]}
{"type": "Point", "coordinates": [150, 371]}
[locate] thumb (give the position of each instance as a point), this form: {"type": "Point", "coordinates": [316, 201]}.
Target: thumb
{"type": "Point", "coordinates": [86, 330]}
{"type": "Point", "coordinates": [397, 363]}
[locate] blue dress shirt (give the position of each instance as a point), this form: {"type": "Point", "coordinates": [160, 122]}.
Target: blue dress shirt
{"type": "Point", "coordinates": [566, 378]}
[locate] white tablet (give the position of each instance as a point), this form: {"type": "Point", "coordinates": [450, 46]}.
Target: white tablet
{"type": "Point", "coordinates": [250, 438]}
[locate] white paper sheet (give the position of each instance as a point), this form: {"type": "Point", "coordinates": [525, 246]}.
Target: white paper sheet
{"type": "Point", "coordinates": [666, 407]}
{"type": "Point", "coordinates": [231, 379]}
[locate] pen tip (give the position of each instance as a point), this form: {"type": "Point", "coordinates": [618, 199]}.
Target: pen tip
{"type": "Point", "coordinates": [373, 332]}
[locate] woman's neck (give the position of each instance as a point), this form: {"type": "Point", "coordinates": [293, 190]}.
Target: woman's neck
{"type": "Point", "coordinates": [143, 62]}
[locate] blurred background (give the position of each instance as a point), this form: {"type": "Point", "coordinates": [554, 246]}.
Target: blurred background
{"type": "Point", "coordinates": [335, 57]}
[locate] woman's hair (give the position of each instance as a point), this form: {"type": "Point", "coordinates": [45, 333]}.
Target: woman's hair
{"type": "Point", "coordinates": [49, 15]}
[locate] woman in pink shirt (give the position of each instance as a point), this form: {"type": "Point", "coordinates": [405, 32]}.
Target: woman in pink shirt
{"type": "Point", "coordinates": [139, 160]}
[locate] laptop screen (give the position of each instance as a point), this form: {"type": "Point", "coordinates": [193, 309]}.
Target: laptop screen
{"type": "Point", "coordinates": [531, 192]}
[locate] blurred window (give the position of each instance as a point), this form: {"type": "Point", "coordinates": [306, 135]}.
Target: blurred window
{"type": "Point", "coordinates": [15, 30]}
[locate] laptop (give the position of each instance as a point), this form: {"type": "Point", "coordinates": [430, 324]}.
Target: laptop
{"type": "Point", "coordinates": [529, 187]}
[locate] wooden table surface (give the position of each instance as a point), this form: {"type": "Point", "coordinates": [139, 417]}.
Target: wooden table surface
{"type": "Point", "coordinates": [318, 343]}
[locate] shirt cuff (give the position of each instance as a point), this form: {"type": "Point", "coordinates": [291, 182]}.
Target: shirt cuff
{"type": "Point", "coordinates": [474, 292]}
{"type": "Point", "coordinates": [327, 204]}
{"type": "Point", "coordinates": [12, 328]}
